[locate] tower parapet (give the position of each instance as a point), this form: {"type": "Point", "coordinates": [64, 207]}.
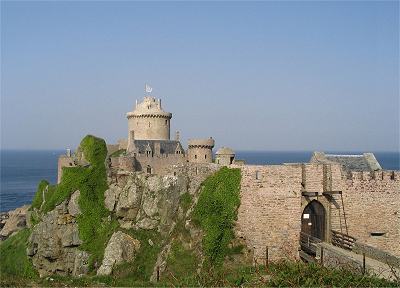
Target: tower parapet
{"type": "Point", "coordinates": [200, 150]}
{"type": "Point", "coordinates": [148, 121]}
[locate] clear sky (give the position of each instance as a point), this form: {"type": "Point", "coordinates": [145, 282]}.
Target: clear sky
{"type": "Point", "coordinates": [255, 75]}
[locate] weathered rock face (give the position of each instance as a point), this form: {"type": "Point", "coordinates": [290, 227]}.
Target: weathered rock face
{"type": "Point", "coordinates": [53, 244]}
{"type": "Point", "coordinates": [120, 248]}
{"type": "Point", "coordinates": [13, 221]}
{"type": "Point", "coordinates": [146, 201]}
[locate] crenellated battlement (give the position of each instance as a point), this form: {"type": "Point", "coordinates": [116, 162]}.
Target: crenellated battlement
{"type": "Point", "coordinates": [365, 176]}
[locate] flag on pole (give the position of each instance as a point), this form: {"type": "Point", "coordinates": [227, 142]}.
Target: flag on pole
{"type": "Point", "coordinates": [148, 89]}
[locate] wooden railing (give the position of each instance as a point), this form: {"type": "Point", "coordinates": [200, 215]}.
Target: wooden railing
{"type": "Point", "coordinates": [309, 243]}
{"type": "Point", "coordinates": [342, 240]}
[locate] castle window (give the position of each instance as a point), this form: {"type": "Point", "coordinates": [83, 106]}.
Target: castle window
{"type": "Point", "coordinates": [149, 124]}
{"type": "Point", "coordinates": [205, 156]}
{"type": "Point", "coordinates": [195, 156]}
{"type": "Point", "coordinates": [148, 169]}
{"type": "Point", "coordinates": [392, 176]}
{"type": "Point", "coordinates": [166, 122]}
{"type": "Point", "coordinates": [258, 175]}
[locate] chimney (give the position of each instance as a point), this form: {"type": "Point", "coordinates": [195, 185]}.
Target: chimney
{"type": "Point", "coordinates": [159, 103]}
{"type": "Point", "coordinates": [177, 136]}
{"type": "Point", "coordinates": [68, 152]}
{"type": "Point", "coordinates": [136, 104]}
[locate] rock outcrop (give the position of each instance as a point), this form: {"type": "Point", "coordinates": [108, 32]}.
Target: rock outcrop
{"type": "Point", "coordinates": [13, 221]}
{"type": "Point", "coordinates": [53, 244]}
{"type": "Point", "coordinates": [121, 248]}
{"type": "Point", "coordinates": [146, 201]}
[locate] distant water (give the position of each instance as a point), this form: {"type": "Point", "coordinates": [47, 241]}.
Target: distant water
{"type": "Point", "coordinates": [21, 171]}
{"type": "Point", "coordinates": [388, 160]}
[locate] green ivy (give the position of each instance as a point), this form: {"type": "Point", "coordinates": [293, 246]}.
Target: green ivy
{"type": "Point", "coordinates": [216, 211]}
{"type": "Point", "coordinates": [94, 227]}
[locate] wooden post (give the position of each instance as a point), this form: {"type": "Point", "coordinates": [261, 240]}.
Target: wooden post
{"type": "Point", "coordinates": [363, 269]}
{"type": "Point", "coordinates": [322, 256]}
{"type": "Point", "coordinates": [266, 257]}
{"type": "Point", "coordinates": [158, 273]}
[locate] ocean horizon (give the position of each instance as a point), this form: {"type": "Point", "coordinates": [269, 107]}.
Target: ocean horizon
{"type": "Point", "coordinates": [22, 170]}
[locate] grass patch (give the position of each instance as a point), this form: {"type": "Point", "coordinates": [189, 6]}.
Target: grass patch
{"type": "Point", "coordinates": [181, 264]}
{"type": "Point", "coordinates": [14, 261]}
{"type": "Point", "coordinates": [185, 201]}
{"type": "Point", "coordinates": [142, 267]}
{"type": "Point", "coordinates": [301, 274]}
{"type": "Point", "coordinates": [38, 198]}
{"type": "Point", "coordinates": [216, 211]}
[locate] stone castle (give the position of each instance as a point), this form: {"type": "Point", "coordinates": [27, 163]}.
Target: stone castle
{"type": "Point", "coordinates": [346, 200]}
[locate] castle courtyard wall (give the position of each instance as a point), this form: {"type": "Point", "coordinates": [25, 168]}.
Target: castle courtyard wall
{"type": "Point", "coordinates": [272, 205]}
{"type": "Point", "coordinates": [372, 204]}
{"type": "Point", "coordinates": [269, 213]}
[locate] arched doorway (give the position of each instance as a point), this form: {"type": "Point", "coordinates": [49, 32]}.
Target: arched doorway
{"type": "Point", "coordinates": [313, 220]}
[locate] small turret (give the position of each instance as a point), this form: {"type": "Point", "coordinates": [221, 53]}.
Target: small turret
{"type": "Point", "coordinates": [200, 150]}
{"type": "Point", "coordinates": [224, 156]}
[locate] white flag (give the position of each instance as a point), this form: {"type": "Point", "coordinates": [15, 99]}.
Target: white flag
{"type": "Point", "coordinates": [148, 89]}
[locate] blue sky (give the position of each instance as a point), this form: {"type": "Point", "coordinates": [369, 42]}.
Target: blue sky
{"type": "Point", "coordinates": [254, 75]}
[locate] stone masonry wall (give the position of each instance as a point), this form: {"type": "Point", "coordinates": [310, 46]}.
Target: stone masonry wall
{"type": "Point", "coordinates": [272, 205]}
{"type": "Point", "coordinates": [270, 211]}
{"type": "Point", "coordinates": [63, 161]}
{"type": "Point", "coordinates": [372, 204]}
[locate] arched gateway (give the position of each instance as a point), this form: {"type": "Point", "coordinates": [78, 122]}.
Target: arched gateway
{"type": "Point", "coordinates": [313, 220]}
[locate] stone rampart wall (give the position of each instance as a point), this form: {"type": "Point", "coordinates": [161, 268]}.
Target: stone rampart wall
{"type": "Point", "coordinates": [372, 204]}
{"type": "Point", "coordinates": [270, 212]}
{"type": "Point", "coordinates": [272, 205]}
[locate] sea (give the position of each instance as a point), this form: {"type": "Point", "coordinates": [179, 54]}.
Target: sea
{"type": "Point", "coordinates": [21, 171]}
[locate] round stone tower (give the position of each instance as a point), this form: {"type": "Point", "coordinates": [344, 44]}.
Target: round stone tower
{"type": "Point", "coordinates": [200, 150]}
{"type": "Point", "coordinates": [148, 121]}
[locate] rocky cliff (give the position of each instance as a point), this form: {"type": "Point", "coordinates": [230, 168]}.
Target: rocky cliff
{"type": "Point", "coordinates": [130, 203]}
{"type": "Point", "coordinates": [93, 221]}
